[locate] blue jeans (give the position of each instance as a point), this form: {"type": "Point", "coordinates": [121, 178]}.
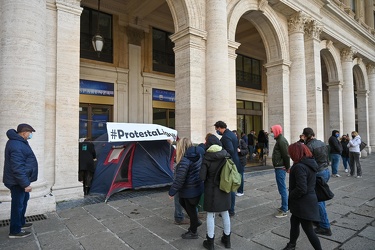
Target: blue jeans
{"type": "Point", "coordinates": [345, 161]}
{"type": "Point", "coordinates": [251, 151]}
{"type": "Point", "coordinates": [281, 186]}
{"type": "Point", "coordinates": [178, 213]}
{"type": "Point", "coordinates": [18, 208]}
{"type": "Point", "coordinates": [241, 171]}
{"type": "Point", "coordinates": [335, 162]}
{"type": "Point", "coordinates": [324, 222]}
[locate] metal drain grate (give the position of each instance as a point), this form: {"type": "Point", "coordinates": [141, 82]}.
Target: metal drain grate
{"type": "Point", "coordinates": [4, 223]}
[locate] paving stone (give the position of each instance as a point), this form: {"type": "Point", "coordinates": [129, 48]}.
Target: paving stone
{"type": "Point", "coordinates": [353, 221]}
{"type": "Point", "coordinates": [58, 240]}
{"type": "Point", "coordinates": [340, 208]}
{"type": "Point", "coordinates": [368, 232]}
{"type": "Point", "coordinates": [141, 238]}
{"type": "Point", "coordinates": [135, 212]}
{"type": "Point", "coordinates": [365, 211]}
{"type": "Point", "coordinates": [102, 211]}
{"type": "Point", "coordinates": [359, 243]}
{"type": "Point", "coordinates": [120, 224]}
{"type": "Point", "coordinates": [84, 225]}
{"type": "Point", "coordinates": [103, 240]}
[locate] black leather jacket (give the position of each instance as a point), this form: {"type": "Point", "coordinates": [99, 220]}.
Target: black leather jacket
{"type": "Point", "coordinates": [320, 152]}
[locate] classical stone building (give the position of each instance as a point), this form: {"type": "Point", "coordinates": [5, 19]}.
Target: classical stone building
{"type": "Point", "coordinates": [183, 64]}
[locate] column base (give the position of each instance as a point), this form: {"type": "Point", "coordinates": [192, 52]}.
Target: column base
{"type": "Point", "coordinates": [62, 193]}
{"type": "Point", "coordinates": [38, 205]}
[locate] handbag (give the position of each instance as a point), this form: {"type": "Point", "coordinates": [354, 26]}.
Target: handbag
{"type": "Point", "coordinates": [362, 146]}
{"type": "Point", "coordinates": [322, 190]}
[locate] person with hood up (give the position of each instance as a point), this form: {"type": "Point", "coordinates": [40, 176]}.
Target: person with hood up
{"type": "Point", "coordinates": [335, 152]}
{"type": "Point", "coordinates": [354, 152]}
{"type": "Point", "coordinates": [215, 200]}
{"type": "Point", "coordinates": [303, 202]}
{"type": "Point", "coordinates": [188, 183]}
{"type": "Point", "coordinates": [20, 170]}
{"type": "Point", "coordinates": [281, 163]}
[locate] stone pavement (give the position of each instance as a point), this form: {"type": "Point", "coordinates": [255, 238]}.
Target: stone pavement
{"type": "Point", "coordinates": [143, 219]}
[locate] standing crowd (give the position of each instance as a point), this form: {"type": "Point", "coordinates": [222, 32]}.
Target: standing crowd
{"type": "Point", "coordinates": [197, 173]}
{"type": "Point", "coordinates": [197, 177]}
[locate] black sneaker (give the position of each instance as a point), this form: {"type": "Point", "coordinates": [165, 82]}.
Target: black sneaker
{"type": "Point", "coordinates": [323, 231]}
{"type": "Point", "coordinates": [27, 225]}
{"type": "Point", "coordinates": [290, 246]}
{"type": "Point", "coordinates": [189, 235]}
{"type": "Point", "coordinates": [21, 234]}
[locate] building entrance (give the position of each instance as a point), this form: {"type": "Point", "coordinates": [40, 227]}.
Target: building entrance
{"type": "Point", "coordinates": [93, 118]}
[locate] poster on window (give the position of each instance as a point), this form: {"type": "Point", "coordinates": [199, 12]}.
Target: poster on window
{"type": "Point", "coordinates": [118, 132]}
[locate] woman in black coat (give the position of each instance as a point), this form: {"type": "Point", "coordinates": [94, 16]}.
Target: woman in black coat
{"type": "Point", "coordinates": [215, 200]}
{"type": "Point", "coordinates": [242, 151]}
{"type": "Point", "coordinates": [303, 203]}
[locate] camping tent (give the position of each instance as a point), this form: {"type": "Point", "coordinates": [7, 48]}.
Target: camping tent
{"type": "Point", "coordinates": [131, 165]}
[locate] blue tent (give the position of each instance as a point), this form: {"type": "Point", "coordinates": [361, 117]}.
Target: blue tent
{"type": "Point", "coordinates": [131, 165]}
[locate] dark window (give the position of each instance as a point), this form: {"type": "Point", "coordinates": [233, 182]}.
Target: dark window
{"type": "Point", "coordinates": [89, 28]}
{"type": "Point", "coordinates": [162, 52]}
{"type": "Point", "coordinates": [353, 5]}
{"type": "Point", "coordinates": [164, 117]}
{"type": "Point", "coordinates": [248, 72]}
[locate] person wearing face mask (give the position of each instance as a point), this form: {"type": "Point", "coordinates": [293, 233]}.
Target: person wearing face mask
{"type": "Point", "coordinates": [335, 152]}
{"type": "Point", "coordinates": [345, 152]}
{"type": "Point", "coordinates": [230, 144]}
{"type": "Point", "coordinates": [20, 169]}
{"type": "Point", "coordinates": [354, 151]}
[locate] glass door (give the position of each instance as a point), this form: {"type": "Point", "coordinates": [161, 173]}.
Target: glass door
{"type": "Point", "coordinates": [92, 120]}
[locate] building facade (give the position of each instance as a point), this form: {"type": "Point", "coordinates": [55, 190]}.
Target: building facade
{"type": "Point", "coordinates": [183, 64]}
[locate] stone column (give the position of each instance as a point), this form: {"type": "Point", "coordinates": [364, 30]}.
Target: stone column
{"type": "Point", "coordinates": [22, 89]}
{"type": "Point", "coordinates": [217, 66]}
{"type": "Point", "coordinates": [313, 78]}
{"type": "Point", "coordinates": [362, 113]}
{"type": "Point", "coordinates": [335, 107]}
{"type": "Point", "coordinates": [135, 37]}
{"type": "Point", "coordinates": [232, 90]}
{"type": "Point", "coordinates": [369, 13]}
{"type": "Point", "coordinates": [298, 103]}
{"type": "Point", "coordinates": [190, 84]}
{"type": "Point", "coordinates": [371, 105]}
{"type": "Point", "coordinates": [348, 90]}
{"type": "Point", "coordinates": [66, 185]}
{"type": "Point", "coordinates": [278, 96]}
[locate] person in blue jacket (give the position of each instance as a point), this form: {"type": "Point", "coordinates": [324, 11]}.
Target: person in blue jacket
{"type": "Point", "coordinates": [20, 169]}
{"type": "Point", "coordinates": [187, 182]}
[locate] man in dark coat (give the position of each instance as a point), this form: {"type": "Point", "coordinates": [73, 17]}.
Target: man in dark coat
{"type": "Point", "coordinates": [87, 158]}
{"type": "Point", "coordinates": [20, 169]}
{"type": "Point", "coordinates": [230, 144]}
{"type": "Point", "coordinates": [320, 153]}
{"type": "Point", "coordinates": [335, 152]}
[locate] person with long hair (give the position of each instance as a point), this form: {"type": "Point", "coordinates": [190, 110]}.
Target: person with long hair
{"type": "Point", "coordinates": [354, 152]}
{"type": "Point", "coordinates": [303, 203]}
{"type": "Point", "coordinates": [215, 200]}
{"type": "Point", "coordinates": [188, 183]}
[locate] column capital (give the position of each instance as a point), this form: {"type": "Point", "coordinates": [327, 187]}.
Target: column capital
{"type": "Point", "coordinates": [296, 23]}
{"type": "Point", "coordinates": [370, 68]}
{"type": "Point", "coordinates": [135, 36]}
{"type": "Point", "coordinates": [72, 6]}
{"type": "Point", "coordinates": [362, 92]}
{"type": "Point", "coordinates": [232, 46]}
{"type": "Point", "coordinates": [347, 54]}
{"type": "Point", "coordinates": [313, 29]}
{"type": "Point", "coordinates": [262, 4]}
{"type": "Point", "coordinates": [189, 37]}
{"type": "Point", "coordinates": [334, 84]}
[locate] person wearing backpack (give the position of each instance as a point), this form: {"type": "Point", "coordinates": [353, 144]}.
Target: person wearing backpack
{"type": "Point", "coordinates": [215, 200]}
{"type": "Point", "coordinates": [188, 183]}
{"type": "Point", "coordinates": [230, 144]}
